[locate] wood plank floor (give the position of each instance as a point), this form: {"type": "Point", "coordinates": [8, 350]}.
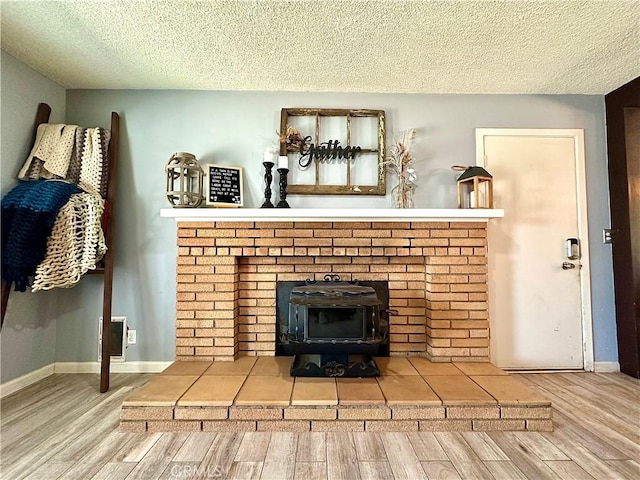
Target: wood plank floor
{"type": "Point", "coordinates": [62, 428]}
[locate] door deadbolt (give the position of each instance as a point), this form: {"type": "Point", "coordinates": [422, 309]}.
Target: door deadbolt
{"type": "Point", "coordinates": [573, 248]}
{"type": "Point", "coordinates": [568, 265]}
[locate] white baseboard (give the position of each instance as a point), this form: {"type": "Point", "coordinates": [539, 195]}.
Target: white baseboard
{"type": "Point", "coordinates": [19, 383]}
{"type": "Point", "coordinates": [606, 366]}
{"type": "Point", "coordinates": [25, 380]}
{"type": "Point", "coordinates": [116, 367]}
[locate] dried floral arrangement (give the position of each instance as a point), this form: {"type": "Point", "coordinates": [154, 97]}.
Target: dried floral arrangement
{"type": "Point", "coordinates": [400, 163]}
{"type": "Point", "coordinates": [292, 138]}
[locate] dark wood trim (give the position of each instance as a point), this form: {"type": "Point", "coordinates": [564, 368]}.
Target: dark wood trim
{"type": "Point", "coordinates": [6, 291]}
{"type": "Point", "coordinates": [624, 228]}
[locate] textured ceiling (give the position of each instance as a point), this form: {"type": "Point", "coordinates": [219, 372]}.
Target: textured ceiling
{"type": "Point", "coordinates": [566, 46]}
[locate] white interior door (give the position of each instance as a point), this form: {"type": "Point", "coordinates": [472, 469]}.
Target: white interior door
{"type": "Point", "coordinates": [538, 297]}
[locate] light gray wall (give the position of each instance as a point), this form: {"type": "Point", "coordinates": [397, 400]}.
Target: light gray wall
{"type": "Point", "coordinates": [28, 337]}
{"type": "Point", "coordinates": [235, 127]}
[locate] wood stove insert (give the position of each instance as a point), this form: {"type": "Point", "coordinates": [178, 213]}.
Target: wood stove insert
{"type": "Point", "coordinates": [333, 327]}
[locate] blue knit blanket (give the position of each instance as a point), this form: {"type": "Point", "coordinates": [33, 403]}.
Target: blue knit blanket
{"type": "Point", "coordinates": [29, 211]}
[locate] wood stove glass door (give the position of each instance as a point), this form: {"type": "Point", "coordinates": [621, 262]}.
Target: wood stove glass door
{"type": "Point", "coordinates": [335, 323]}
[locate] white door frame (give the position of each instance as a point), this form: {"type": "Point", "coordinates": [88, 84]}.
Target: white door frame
{"type": "Point", "coordinates": [583, 232]}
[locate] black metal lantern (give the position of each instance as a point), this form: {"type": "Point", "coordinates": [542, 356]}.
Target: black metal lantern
{"type": "Point", "coordinates": [184, 180]}
{"type": "Point", "coordinates": [475, 188]}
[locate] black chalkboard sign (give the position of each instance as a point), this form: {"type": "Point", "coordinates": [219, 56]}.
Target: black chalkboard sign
{"type": "Point", "coordinates": [224, 186]}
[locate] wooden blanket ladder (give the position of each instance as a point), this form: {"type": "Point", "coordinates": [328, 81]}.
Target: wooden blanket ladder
{"type": "Point", "coordinates": [105, 267]}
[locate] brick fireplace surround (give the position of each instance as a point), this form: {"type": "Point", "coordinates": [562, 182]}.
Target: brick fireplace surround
{"type": "Point", "coordinates": [436, 268]}
{"type": "Point", "coordinates": [435, 263]}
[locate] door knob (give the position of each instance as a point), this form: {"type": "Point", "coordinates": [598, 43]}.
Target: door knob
{"type": "Point", "coordinates": [568, 265]}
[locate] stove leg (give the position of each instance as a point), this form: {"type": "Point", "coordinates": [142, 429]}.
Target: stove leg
{"type": "Point", "coordinates": [334, 365]}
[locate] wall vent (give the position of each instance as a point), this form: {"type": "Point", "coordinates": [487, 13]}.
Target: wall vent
{"type": "Point", "coordinates": [118, 343]}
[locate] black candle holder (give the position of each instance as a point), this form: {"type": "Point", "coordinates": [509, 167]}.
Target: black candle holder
{"type": "Point", "coordinates": [283, 188]}
{"type": "Point", "coordinates": [268, 178]}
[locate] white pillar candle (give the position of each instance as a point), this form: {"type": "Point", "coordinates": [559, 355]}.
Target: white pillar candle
{"type": "Point", "coordinates": [283, 161]}
{"type": "Point", "coordinates": [269, 155]}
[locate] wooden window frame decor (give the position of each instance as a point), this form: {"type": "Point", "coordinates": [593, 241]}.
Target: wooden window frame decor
{"type": "Point", "coordinates": [210, 195]}
{"type": "Point", "coordinates": [313, 147]}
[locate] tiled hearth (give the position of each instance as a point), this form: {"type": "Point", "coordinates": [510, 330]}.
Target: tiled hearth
{"type": "Point", "coordinates": [257, 393]}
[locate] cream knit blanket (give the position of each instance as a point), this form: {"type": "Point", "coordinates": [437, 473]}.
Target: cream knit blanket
{"type": "Point", "coordinates": [76, 243]}
{"type": "Point", "coordinates": [69, 152]}
{"type": "Point", "coordinates": [80, 156]}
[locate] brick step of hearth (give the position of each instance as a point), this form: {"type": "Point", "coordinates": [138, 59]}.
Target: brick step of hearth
{"type": "Point", "coordinates": [257, 394]}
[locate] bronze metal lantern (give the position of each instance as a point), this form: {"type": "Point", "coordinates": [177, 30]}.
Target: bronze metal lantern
{"type": "Point", "coordinates": [184, 180]}
{"type": "Point", "coordinates": [475, 188]}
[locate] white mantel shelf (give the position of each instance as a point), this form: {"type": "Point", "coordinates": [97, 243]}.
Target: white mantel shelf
{"type": "Point", "coordinates": [330, 214]}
